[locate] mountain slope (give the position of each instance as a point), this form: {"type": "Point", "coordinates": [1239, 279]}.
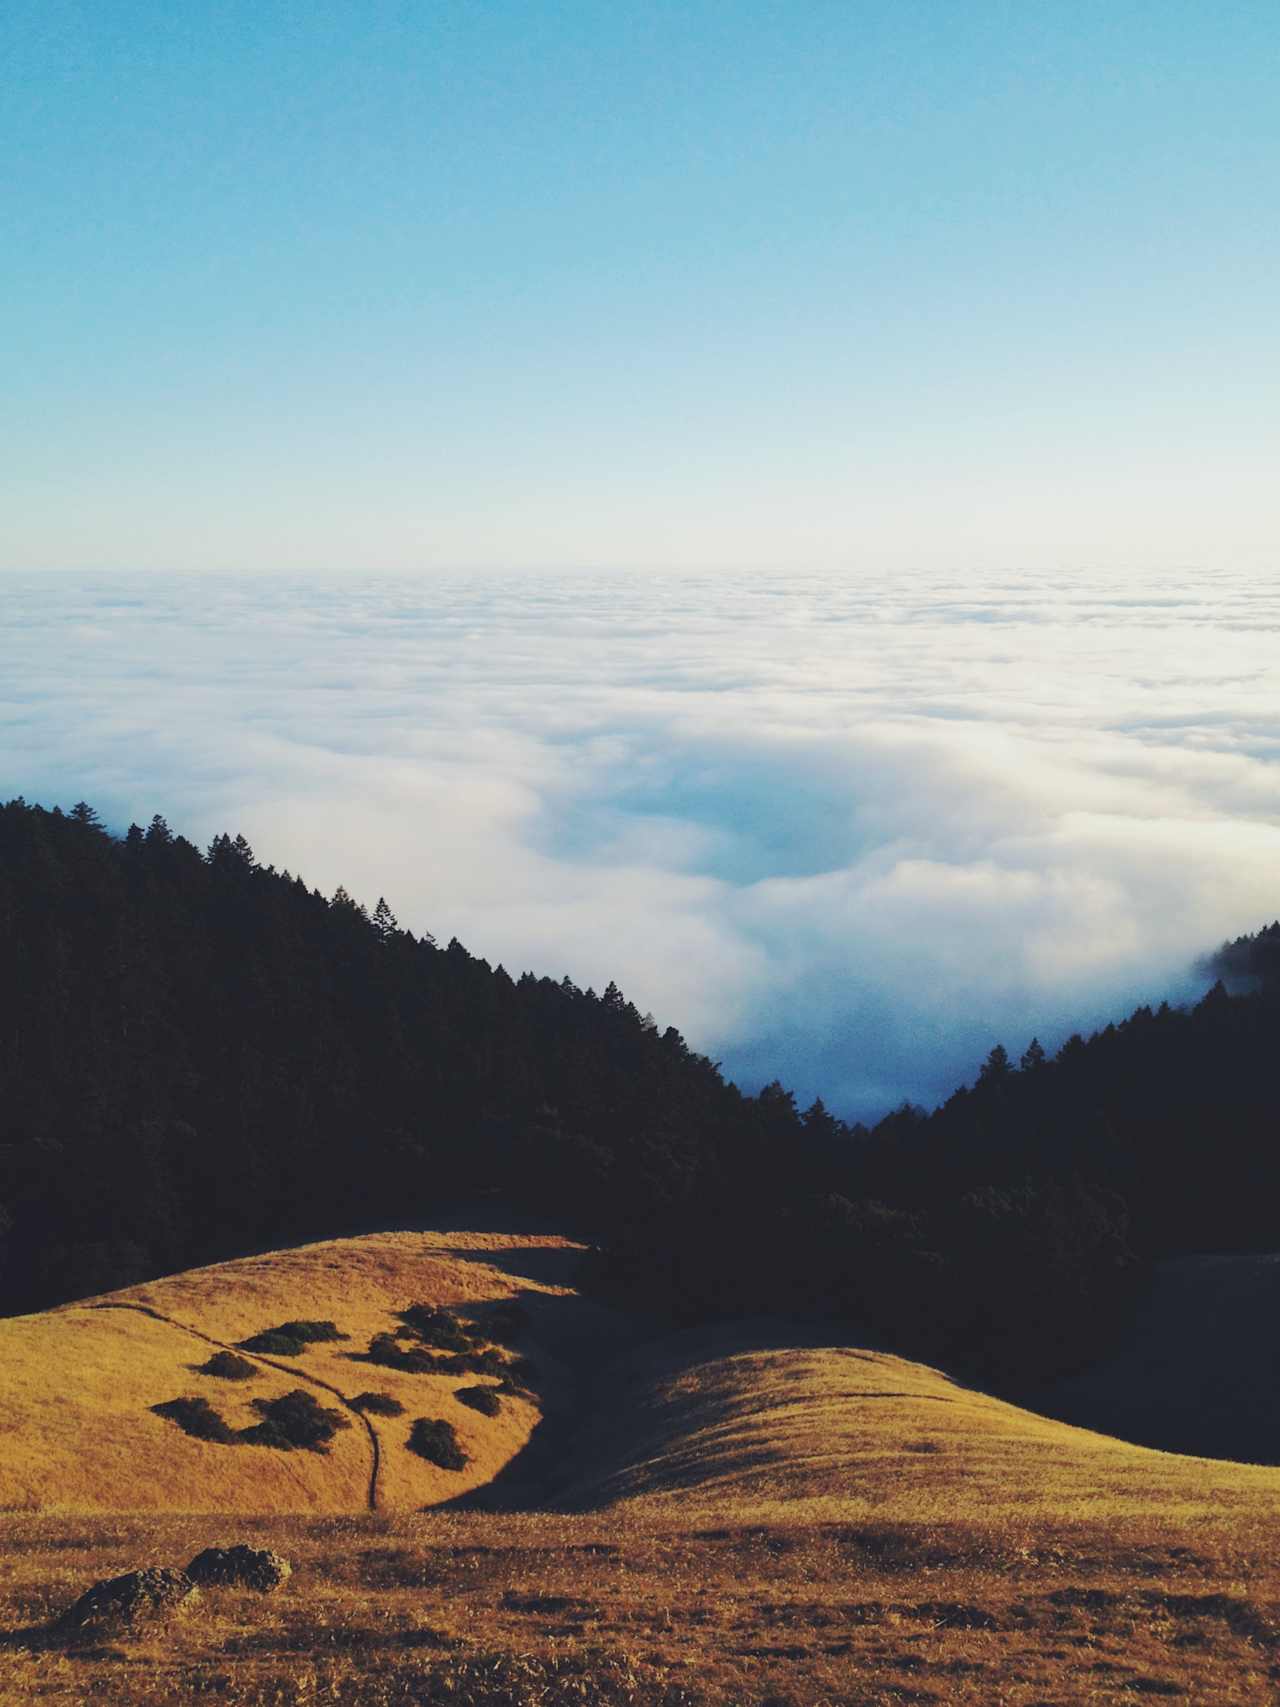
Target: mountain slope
{"type": "Point", "coordinates": [77, 1384]}
{"type": "Point", "coordinates": [752, 1422]}
{"type": "Point", "coordinates": [739, 1426]}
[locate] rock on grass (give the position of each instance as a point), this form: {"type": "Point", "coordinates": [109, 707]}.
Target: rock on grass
{"type": "Point", "coordinates": [240, 1567]}
{"type": "Point", "coordinates": [138, 1600]}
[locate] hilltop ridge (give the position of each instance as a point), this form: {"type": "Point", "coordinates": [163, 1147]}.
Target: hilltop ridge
{"type": "Point", "coordinates": [766, 1419]}
{"type": "Point", "coordinates": [81, 1382]}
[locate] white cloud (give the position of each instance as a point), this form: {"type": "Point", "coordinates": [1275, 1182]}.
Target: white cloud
{"type": "Point", "coordinates": [848, 830]}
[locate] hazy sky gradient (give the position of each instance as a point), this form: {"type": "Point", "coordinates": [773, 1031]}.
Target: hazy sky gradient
{"type": "Point", "coordinates": [772, 503]}
{"type": "Point", "coordinates": [715, 283]}
{"type": "Point", "coordinates": [845, 830]}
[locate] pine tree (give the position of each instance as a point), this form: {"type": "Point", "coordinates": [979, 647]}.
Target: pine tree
{"type": "Point", "coordinates": [996, 1067]}
{"type": "Point", "coordinates": [1034, 1057]}
{"type": "Point", "coordinates": [83, 813]}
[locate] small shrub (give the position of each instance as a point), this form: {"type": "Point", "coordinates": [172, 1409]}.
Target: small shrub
{"type": "Point", "coordinates": [385, 1349]}
{"type": "Point", "coordinates": [311, 1333]}
{"type": "Point", "coordinates": [228, 1367]}
{"type": "Point", "coordinates": [487, 1362]}
{"type": "Point", "coordinates": [434, 1439]}
{"type": "Point", "coordinates": [378, 1404]}
{"type": "Point", "coordinates": [272, 1343]}
{"type": "Point", "coordinates": [295, 1420]}
{"type": "Point", "coordinates": [198, 1418]}
{"type": "Point", "coordinates": [438, 1328]}
{"type": "Point", "coordinates": [290, 1339]}
{"type": "Point", "coordinates": [268, 1433]}
{"type": "Point", "coordinates": [482, 1399]}
{"type": "Point", "coordinates": [522, 1369]}
{"type": "Point", "coordinates": [514, 1390]}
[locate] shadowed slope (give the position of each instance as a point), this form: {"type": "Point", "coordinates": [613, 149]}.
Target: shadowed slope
{"type": "Point", "coordinates": [1196, 1368]}
{"type": "Point", "coordinates": [736, 1429]}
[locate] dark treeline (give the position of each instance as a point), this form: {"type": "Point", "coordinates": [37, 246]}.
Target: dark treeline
{"type": "Point", "coordinates": [200, 1055]}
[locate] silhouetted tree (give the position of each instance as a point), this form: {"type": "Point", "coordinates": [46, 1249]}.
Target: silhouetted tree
{"type": "Point", "coordinates": [201, 1056]}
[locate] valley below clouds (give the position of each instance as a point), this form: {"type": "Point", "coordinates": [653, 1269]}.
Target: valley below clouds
{"type": "Point", "coordinates": [844, 830]}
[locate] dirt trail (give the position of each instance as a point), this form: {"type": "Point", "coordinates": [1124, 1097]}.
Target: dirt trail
{"type": "Point", "coordinates": [375, 1448]}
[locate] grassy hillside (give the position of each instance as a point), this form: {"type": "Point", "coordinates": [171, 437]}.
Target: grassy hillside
{"type": "Point", "coordinates": [746, 1428]}
{"type": "Point", "coordinates": [758, 1521]}
{"type": "Point", "coordinates": [78, 1434]}
{"type": "Point", "coordinates": [738, 1422]}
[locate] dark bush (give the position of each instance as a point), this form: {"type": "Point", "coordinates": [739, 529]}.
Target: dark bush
{"type": "Point", "coordinates": [513, 1388]}
{"type": "Point", "coordinates": [290, 1339]}
{"type": "Point", "coordinates": [435, 1440]}
{"type": "Point", "coordinates": [197, 1417]}
{"type": "Point", "coordinates": [385, 1349]}
{"type": "Point", "coordinates": [311, 1332]}
{"type": "Point", "coordinates": [229, 1367]}
{"type": "Point", "coordinates": [267, 1433]}
{"type": "Point", "coordinates": [296, 1420]}
{"type": "Point", "coordinates": [378, 1404]}
{"type": "Point", "coordinates": [438, 1328]}
{"type": "Point", "coordinates": [488, 1362]}
{"type": "Point", "coordinates": [271, 1343]}
{"type": "Point", "coordinates": [389, 1351]}
{"type": "Point", "coordinates": [482, 1399]}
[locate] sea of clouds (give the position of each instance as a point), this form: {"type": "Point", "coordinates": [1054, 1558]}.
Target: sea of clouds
{"type": "Point", "coordinates": [845, 830]}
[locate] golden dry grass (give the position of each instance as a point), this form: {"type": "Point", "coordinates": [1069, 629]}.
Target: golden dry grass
{"type": "Point", "coordinates": [833, 1433]}
{"type": "Point", "coordinates": [797, 1525]}
{"type": "Point", "coordinates": [628, 1607]}
{"type": "Point", "coordinates": [76, 1384]}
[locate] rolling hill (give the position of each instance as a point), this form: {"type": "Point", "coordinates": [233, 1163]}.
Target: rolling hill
{"type": "Point", "coordinates": [752, 1421]}
{"type": "Point", "coordinates": [746, 1513]}
{"type": "Point", "coordinates": [749, 1426]}
{"type": "Point", "coordinates": [78, 1432]}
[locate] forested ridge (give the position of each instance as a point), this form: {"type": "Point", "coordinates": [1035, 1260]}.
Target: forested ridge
{"type": "Point", "coordinates": [200, 1055]}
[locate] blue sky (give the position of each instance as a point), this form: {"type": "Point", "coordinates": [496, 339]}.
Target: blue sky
{"type": "Point", "coordinates": [511, 286]}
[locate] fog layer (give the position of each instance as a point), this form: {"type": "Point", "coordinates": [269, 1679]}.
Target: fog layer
{"type": "Point", "coordinates": [848, 831]}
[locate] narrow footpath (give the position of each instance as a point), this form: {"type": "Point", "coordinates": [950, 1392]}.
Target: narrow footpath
{"type": "Point", "coordinates": [375, 1449]}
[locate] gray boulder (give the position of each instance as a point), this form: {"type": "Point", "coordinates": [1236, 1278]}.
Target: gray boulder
{"type": "Point", "coordinates": [240, 1567]}
{"type": "Point", "coordinates": [137, 1600]}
